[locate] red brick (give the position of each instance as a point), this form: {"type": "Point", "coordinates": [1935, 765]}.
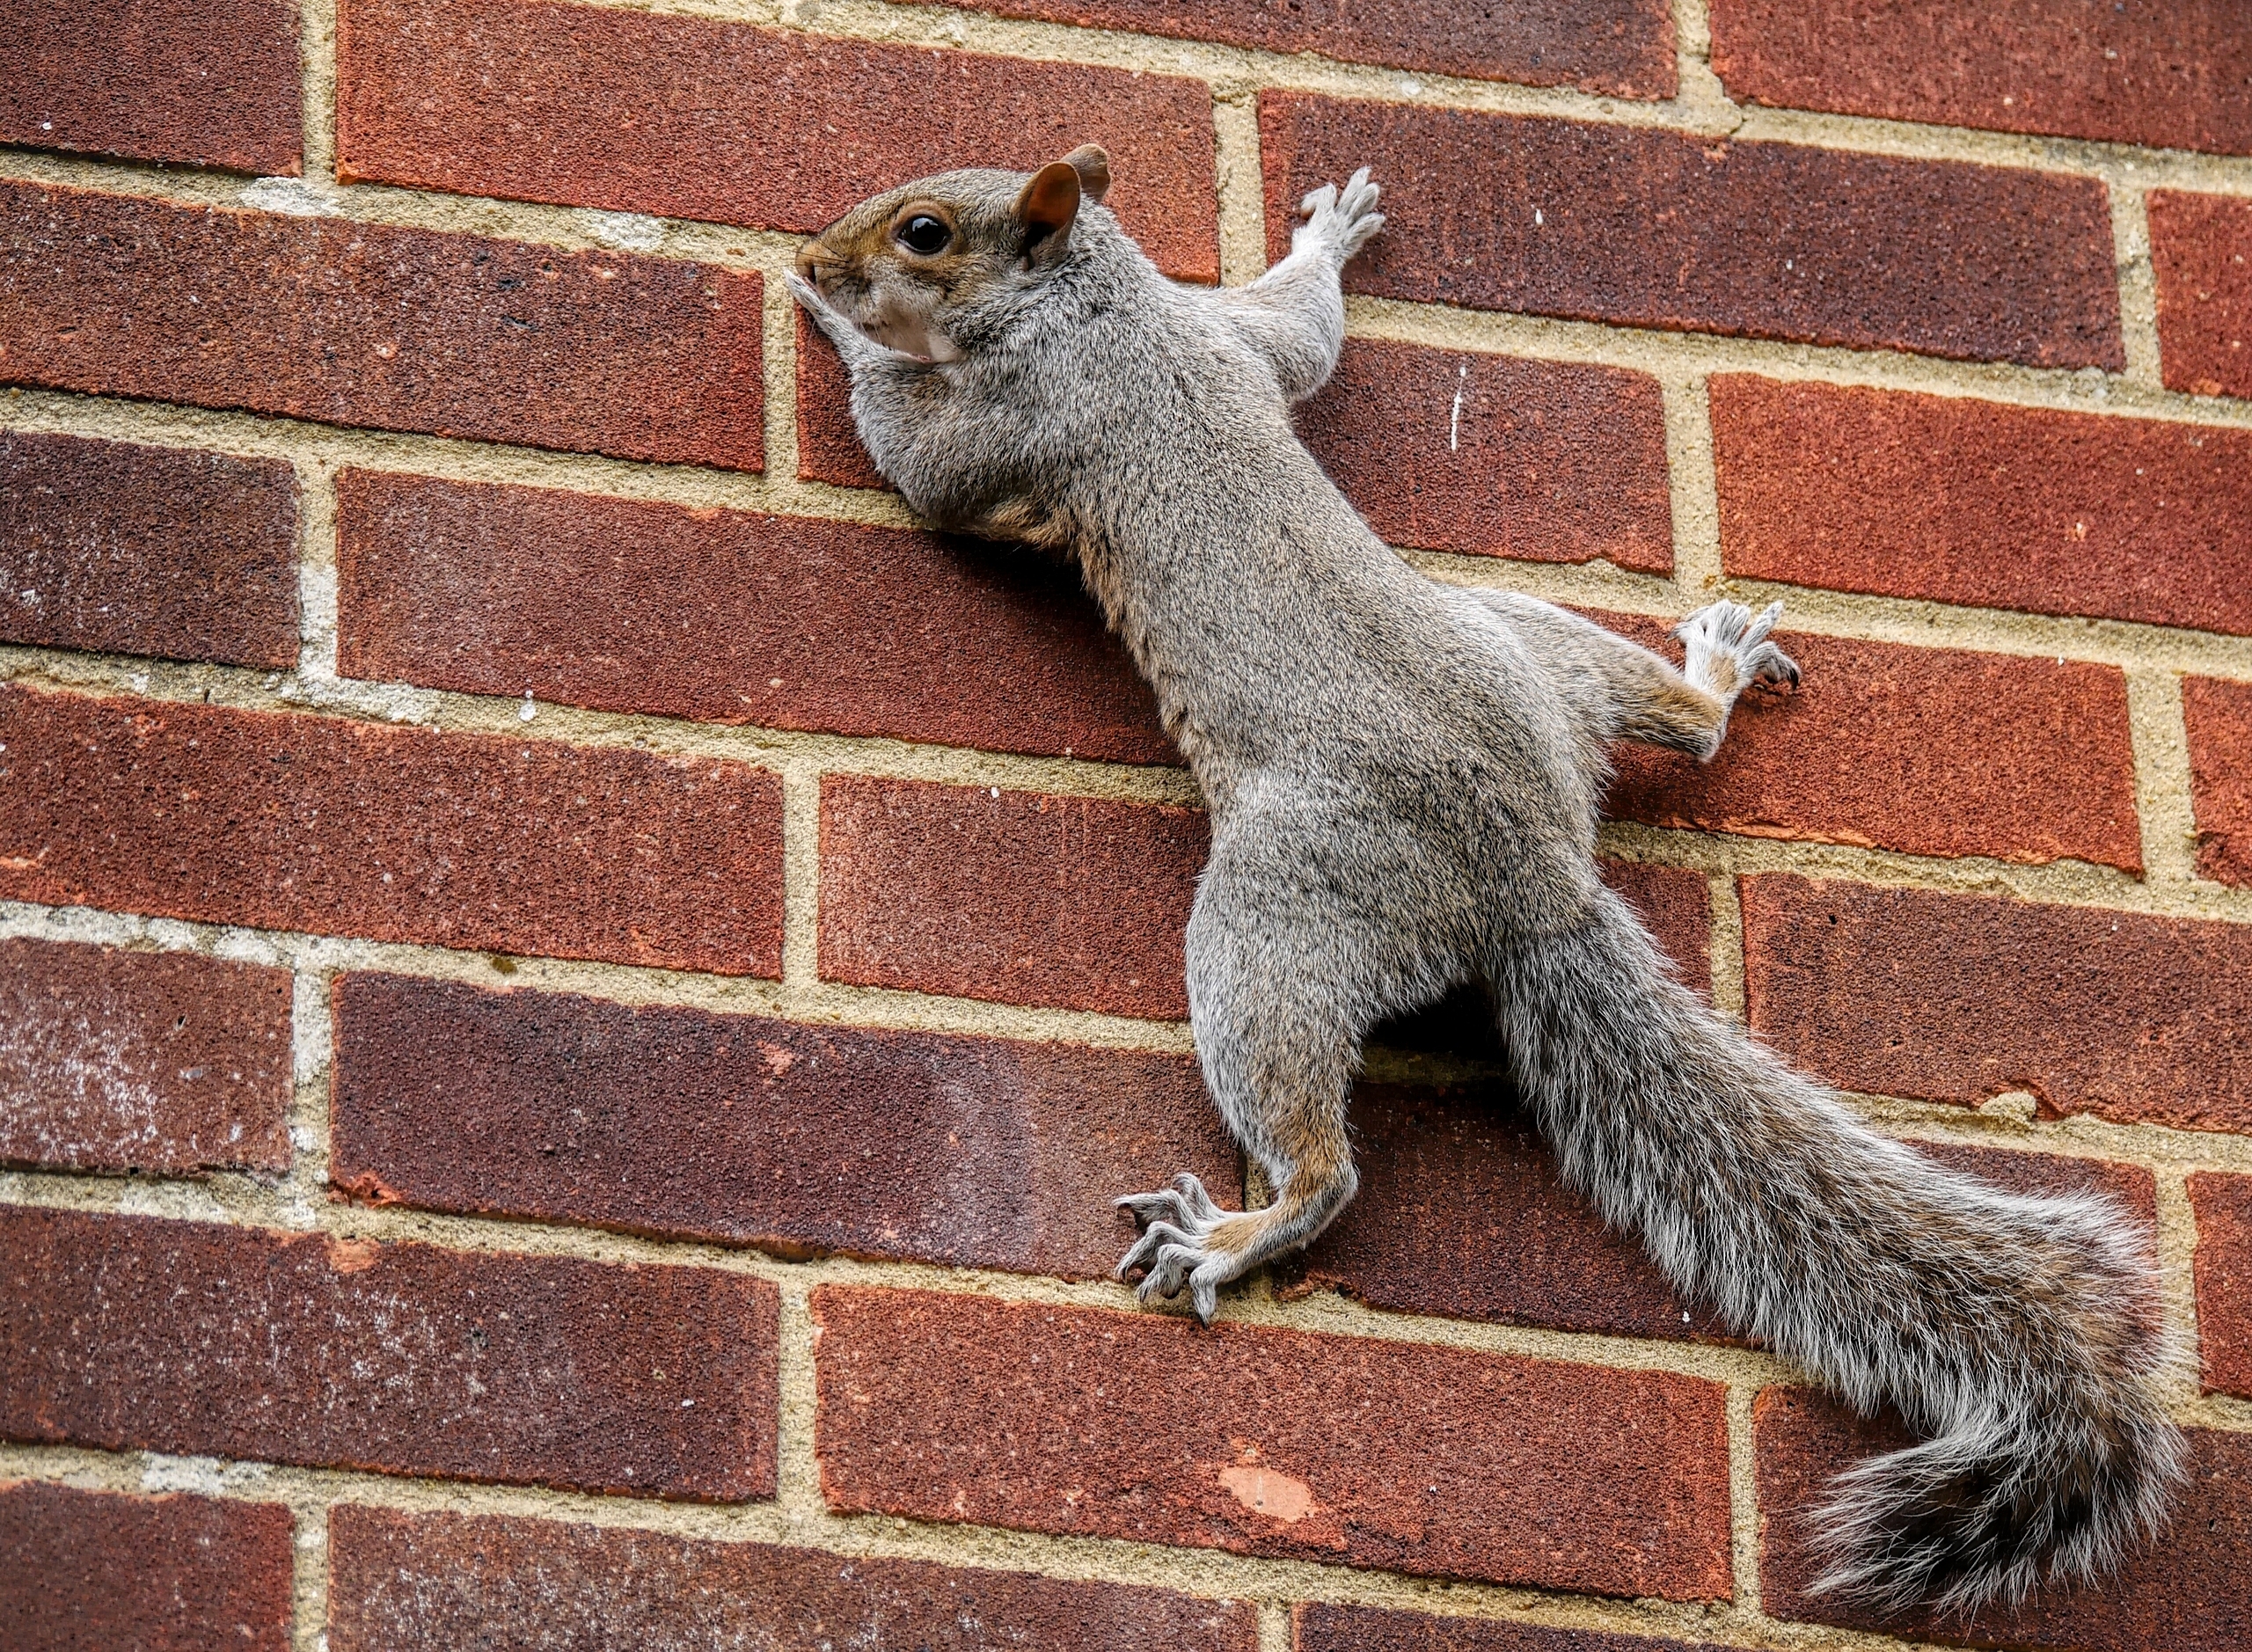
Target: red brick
{"type": "Point", "coordinates": [164, 1062]}
{"type": "Point", "coordinates": [126, 1333]}
{"type": "Point", "coordinates": [1654, 230]}
{"type": "Point", "coordinates": [359, 324]}
{"type": "Point", "coordinates": [432, 1582]}
{"type": "Point", "coordinates": [1487, 456]}
{"type": "Point", "coordinates": [689, 118]}
{"type": "Point", "coordinates": [2218, 717]}
{"type": "Point", "coordinates": [723, 615]}
{"type": "Point", "coordinates": [1621, 47]}
{"type": "Point", "coordinates": [2223, 1204]}
{"type": "Point", "coordinates": [81, 1569]}
{"type": "Point", "coordinates": [1927, 751]}
{"type": "Point", "coordinates": [2174, 74]}
{"type": "Point", "coordinates": [207, 83]}
{"type": "Point", "coordinates": [1956, 501]}
{"type": "Point", "coordinates": [2201, 253]}
{"type": "Point", "coordinates": [828, 443]}
{"type": "Point", "coordinates": [124, 549]}
{"type": "Point", "coordinates": [797, 1140]}
{"type": "Point", "coordinates": [1316, 1627]}
{"type": "Point", "coordinates": [1955, 998]}
{"type": "Point", "coordinates": [2187, 1592]}
{"type": "Point", "coordinates": [280, 820]}
{"type": "Point", "coordinates": [1073, 902]}
{"type": "Point", "coordinates": [1436, 1461]}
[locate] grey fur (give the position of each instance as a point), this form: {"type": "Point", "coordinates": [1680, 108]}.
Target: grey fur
{"type": "Point", "coordinates": [1404, 780]}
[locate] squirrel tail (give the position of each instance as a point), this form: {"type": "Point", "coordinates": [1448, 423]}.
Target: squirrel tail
{"type": "Point", "coordinates": [2019, 1336]}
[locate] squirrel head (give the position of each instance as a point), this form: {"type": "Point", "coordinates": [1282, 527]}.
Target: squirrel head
{"type": "Point", "coordinates": [905, 264]}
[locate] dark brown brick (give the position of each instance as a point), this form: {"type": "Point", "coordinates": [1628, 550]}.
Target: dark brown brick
{"type": "Point", "coordinates": [1074, 902]}
{"type": "Point", "coordinates": [1654, 230]}
{"type": "Point", "coordinates": [2187, 1592]}
{"type": "Point", "coordinates": [82, 1569]}
{"type": "Point", "coordinates": [1412, 1457]}
{"type": "Point", "coordinates": [126, 1333]}
{"type": "Point", "coordinates": [1316, 1627]}
{"type": "Point", "coordinates": [2223, 1204]}
{"type": "Point", "coordinates": [799, 1140]}
{"type": "Point", "coordinates": [1488, 456]}
{"type": "Point", "coordinates": [432, 1582]}
{"type": "Point", "coordinates": [690, 118]}
{"type": "Point", "coordinates": [1621, 47]}
{"type": "Point", "coordinates": [2218, 717]}
{"type": "Point", "coordinates": [125, 549]}
{"type": "Point", "coordinates": [1928, 751]}
{"type": "Point", "coordinates": [722, 615]}
{"type": "Point", "coordinates": [359, 324]}
{"type": "Point", "coordinates": [164, 1062]}
{"type": "Point", "coordinates": [828, 443]}
{"type": "Point", "coordinates": [207, 83]}
{"type": "Point", "coordinates": [282, 821]}
{"type": "Point", "coordinates": [1956, 501]}
{"type": "Point", "coordinates": [1955, 998]}
{"type": "Point", "coordinates": [2174, 74]}
{"type": "Point", "coordinates": [2201, 253]}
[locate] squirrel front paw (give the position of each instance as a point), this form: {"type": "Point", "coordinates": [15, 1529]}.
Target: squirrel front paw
{"type": "Point", "coordinates": [1340, 222]}
{"type": "Point", "coordinates": [1727, 650]}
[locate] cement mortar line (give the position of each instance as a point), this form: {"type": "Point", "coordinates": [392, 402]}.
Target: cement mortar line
{"type": "Point", "coordinates": [316, 70]}
{"type": "Point", "coordinates": [1693, 489]}
{"type": "Point", "coordinates": [1240, 187]}
{"type": "Point", "coordinates": [309, 1576]}
{"type": "Point", "coordinates": [2177, 1250]}
{"type": "Point", "coordinates": [1701, 97]}
{"type": "Point", "coordinates": [2164, 789]}
{"type": "Point", "coordinates": [2137, 287]}
{"type": "Point", "coordinates": [1203, 1573]}
{"type": "Point", "coordinates": [1743, 1495]}
{"type": "Point", "coordinates": [1726, 950]}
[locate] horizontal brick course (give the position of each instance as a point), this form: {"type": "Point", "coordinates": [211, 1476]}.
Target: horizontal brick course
{"type": "Point", "coordinates": [689, 118]}
{"type": "Point", "coordinates": [83, 1569]}
{"type": "Point", "coordinates": [126, 549]}
{"type": "Point", "coordinates": [2177, 74]}
{"type": "Point", "coordinates": [1489, 456]}
{"type": "Point", "coordinates": [1956, 500]}
{"type": "Point", "coordinates": [1318, 1626]}
{"type": "Point", "coordinates": [2218, 719]}
{"type": "Point", "coordinates": [799, 1140]}
{"type": "Point", "coordinates": [359, 324]}
{"type": "Point", "coordinates": [2187, 1592]}
{"type": "Point", "coordinates": [282, 820]}
{"type": "Point", "coordinates": [1072, 903]}
{"type": "Point", "coordinates": [1955, 998]}
{"type": "Point", "coordinates": [727, 616]}
{"type": "Point", "coordinates": [432, 1582]}
{"type": "Point", "coordinates": [164, 1062]}
{"type": "Point", "coordinates": [126, 1333]}
{"type": "Point", "coordinates": [1655, 230]}
{"type": "Point", "coordinates": [1430, 1460]}
{"type": "Point", "coordinates": [207, 83]}
{"type": "Point", "coordinates": [2201, 255]}
{"type": "Point", "coordinates": [2223, 1205]}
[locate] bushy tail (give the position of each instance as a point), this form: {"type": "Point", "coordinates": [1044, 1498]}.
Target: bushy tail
{"type": "Point", "coordinates": [2022, 1335]}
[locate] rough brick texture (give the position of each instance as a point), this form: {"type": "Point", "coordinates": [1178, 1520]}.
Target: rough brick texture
{"type": "Point", "coordinates": [163, 1061]}
{"type": "Point", "coordinates": [124, 549]}
{"type": "Point", "coordinates": [208, 83]}
{"type": "Point", "coordinates": [1073, 902]}
{"type": "Point", "coordinates": [1316, 1626]}
{"type": "Point", "coordinates": [282, 820]}
{"type": "Point", "coordinates": [1955, 998]}
{"type": "Point", "coordinates": [82, 1569]}
{"type": "Point", "coordinates": [1346, 1450]}
{"type": "Point", "coordinates": [1768, 240]}
{"type": "Point", "coordinates": [687, 118]}
{"type": "Point", "coordinates": [721, 616]}
{"type": "Point", "coordinates": [1956, 500]}
{"type": "Point", "coordinates": [431, 1583]}
{"type": "Point", "coordinates": [828, 443]}
{"type": "Point", "coordinates": [2223, 1204]}
{"type": "Point", "coordinates": [2187, 1593]}
{"type": "Point", "coordinates": [358, 324]}
{"type": "Point", "coordinates": [126, 1333]}
{"type": "Point", "coordinates": [2201, 253]}
{"type": "Point", "coordinates": [2174, 74]}
{"type": "Point", "coordinates": [2219, 718]}
{"type": "Point", "coordinates": [799, 1140]}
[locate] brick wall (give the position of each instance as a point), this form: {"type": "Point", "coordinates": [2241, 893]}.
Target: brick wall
{"type": "Point", "coordinates": [574, 986]}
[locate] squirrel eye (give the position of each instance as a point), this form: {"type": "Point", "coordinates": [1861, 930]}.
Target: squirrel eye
{"type": "Point", "coordinates": [925, 234]}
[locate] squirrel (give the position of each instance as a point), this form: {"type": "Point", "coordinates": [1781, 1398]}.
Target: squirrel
{"type": "Point", "coordinates": [1404, 779]}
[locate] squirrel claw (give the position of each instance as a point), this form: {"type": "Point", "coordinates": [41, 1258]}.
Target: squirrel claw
{"type": "Point", "coordinates": [1343, 219]}
{"type": "Point", "coordinates": [1172, 1253]}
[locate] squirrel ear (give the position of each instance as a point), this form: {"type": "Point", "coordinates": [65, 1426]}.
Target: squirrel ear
{"type": "Point", "coordinates": [1046, 209]}
{"type": "Point", "coordinates": [1091, 162]}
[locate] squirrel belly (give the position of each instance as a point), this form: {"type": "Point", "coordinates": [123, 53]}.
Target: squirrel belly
{"type": "Point", "coordinates": [1404, 780]}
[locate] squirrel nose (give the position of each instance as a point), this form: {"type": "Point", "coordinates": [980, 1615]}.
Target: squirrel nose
{"type": "Point", "coordinates": [814, 262]}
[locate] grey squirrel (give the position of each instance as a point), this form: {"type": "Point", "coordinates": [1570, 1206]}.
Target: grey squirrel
{"type": "Point", "coordinates": [1404, 779]}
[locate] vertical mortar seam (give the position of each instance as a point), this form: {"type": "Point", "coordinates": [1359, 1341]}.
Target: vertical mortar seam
{"type": "Point", "coordinates": [800, 876]}
{"type": "Point", "coordinates": [1743, 1498]}
{"type": "Point", "coordinates": [317, 87]}
{"type": "Point", "coordinates": [309, 1570]}
{"type": "Point", "coordinates": [1693, 486]}
{"type": "Point", "coordinates": [2165, 810]}
{"type": "Point", "coordinates": [1726, 946]}
{"type": "Point", "coordinates": [2131, 255]}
